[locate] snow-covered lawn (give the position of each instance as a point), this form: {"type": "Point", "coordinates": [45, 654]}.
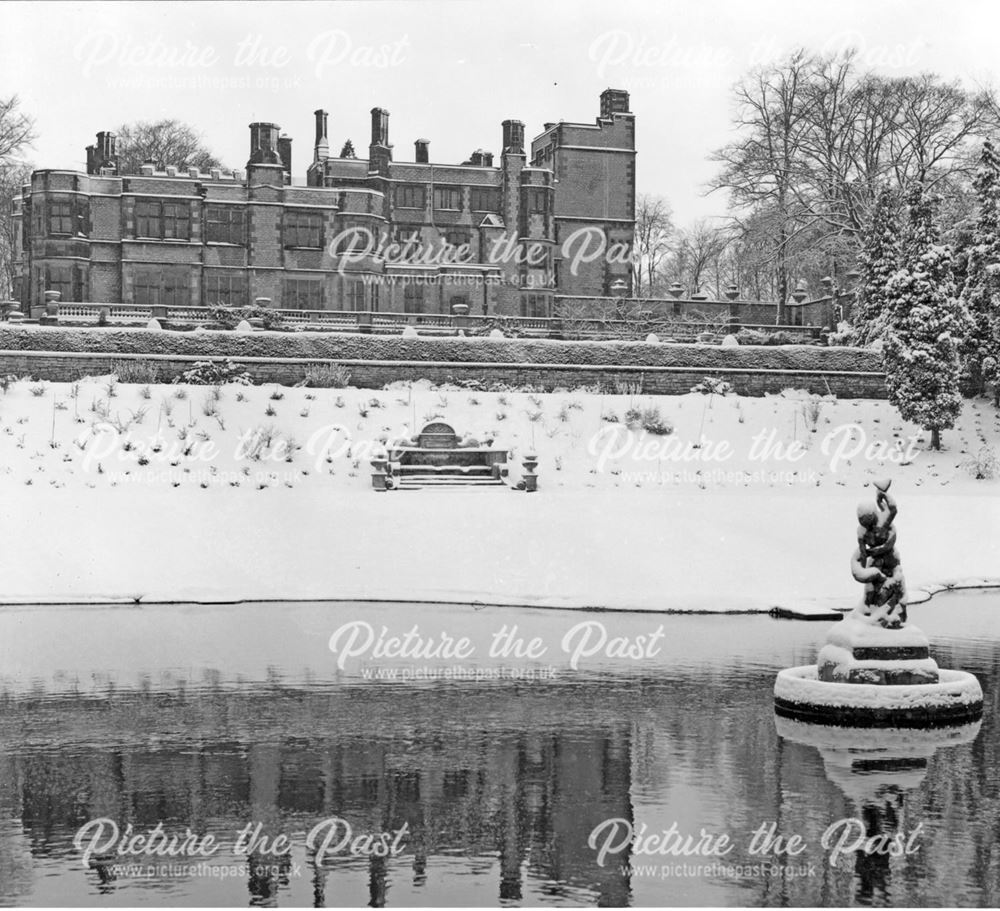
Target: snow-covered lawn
{"type": "Point", "coordinates": [126, 492]}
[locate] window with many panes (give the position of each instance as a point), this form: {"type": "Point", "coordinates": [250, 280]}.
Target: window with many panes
{"type": "Point", "coordinates": [67, 279]}
{"type": "Point", "coordinates": [447, 198]}
{"type": "Point", "coordinates": [303, 229]}
{"type": "Point", "coordinates": [409, 240]}
{"type": "Point", "coordinates": [302, 294]}
{"type": "Point", "coordinates": [413, 298]}
{"type": "Point", "coordinates": [534, 305]}
{"type": "Point", "coordinates": [484, 199]}
{"type": "Point", "coordinates": [410, 196]}
{"type": "Point", "coordinates": [535, 199]}
{"type": "Point", "coordinates": [147, 218]}
{"type": "Point", "coordinates": [224, 289]}
{"type": "Point", "coordinates": [460, 243]}
{"type": "Point", "coordinates": [162, 286]}
{"type": "Point", "coordinates": [60, 214]}
{"type": "Point", "coordinates": [176, 221]}
{"type": "Point", "coordinates": [225, 225]}
{"type": "Point", "coordinates": [353, 236]}
{"type": "Point", "coordinates": [355, 295]}
{"type": "Point", "coordinates": [162, 220]}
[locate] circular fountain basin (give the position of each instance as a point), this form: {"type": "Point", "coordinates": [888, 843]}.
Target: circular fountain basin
{"type": "Point", "coordinates": [957, 697]}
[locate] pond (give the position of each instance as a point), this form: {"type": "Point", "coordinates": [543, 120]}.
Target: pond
{"type": "Point", "coordinates": [510, 768]}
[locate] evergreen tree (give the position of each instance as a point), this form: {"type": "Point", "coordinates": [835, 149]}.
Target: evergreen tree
{"type": "Point", "coordinates": [981, 291]}
{"type": "Point", "coordinates": [879, 261]}
{"type": "Point", "coordinates": [926, 325]}
{"type": "Point", "coordinates": [348, 150]}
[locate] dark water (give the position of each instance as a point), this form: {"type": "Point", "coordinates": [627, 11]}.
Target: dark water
{"type": "Point", "coordinates": [213, 719]}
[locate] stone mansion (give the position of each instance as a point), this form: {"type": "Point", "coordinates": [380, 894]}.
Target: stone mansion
{"type": "Point", "coordinates": [185, 238]}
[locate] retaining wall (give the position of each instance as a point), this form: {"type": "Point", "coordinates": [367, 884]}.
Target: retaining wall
{"type": "Point", "coordinates": [65, 366]}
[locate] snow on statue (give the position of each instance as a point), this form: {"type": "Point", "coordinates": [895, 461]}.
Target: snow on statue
{"type": "Point", "coordinates": [876, 561]}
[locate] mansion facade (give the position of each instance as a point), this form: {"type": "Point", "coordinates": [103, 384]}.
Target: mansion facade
{"type": "Point", "coordinates": [360, 234]}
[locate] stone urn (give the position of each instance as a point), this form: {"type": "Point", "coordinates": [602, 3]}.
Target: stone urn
{"type": "Point", "coordinates": [529, 478]}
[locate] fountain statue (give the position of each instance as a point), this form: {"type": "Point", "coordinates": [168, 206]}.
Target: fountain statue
{"type": "Point", "coordinates": [875, 563]}
{"type": "Point", "coordinates": [875, 667]}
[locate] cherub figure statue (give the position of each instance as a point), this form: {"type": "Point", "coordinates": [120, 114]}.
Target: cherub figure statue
{"type": "Point", "coordinates": [876, 563]}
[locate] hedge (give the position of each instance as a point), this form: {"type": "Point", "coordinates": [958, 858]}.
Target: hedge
{"type": "Point", "coordinates": [449, 349]}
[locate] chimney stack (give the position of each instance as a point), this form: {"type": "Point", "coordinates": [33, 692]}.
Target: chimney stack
{"type": "Point", "coordinates": [613, 101]}
{"type": "Point", "coordinates": [380, 152]}
{"type": "Point", "coordinates": [513, 136]}
{"type": "Point", "coordinates": [380, 127]}
{"type": "Point", "coordinates": [421, 147]}
{"type": "Point", "coordinates": [322, 148]}
{"type": "Point", "coordinates": [104, 155]}
{"type": "Point", "coordinates": [264, 143]}
{"type": "Point", "coordinates": [285, 154]}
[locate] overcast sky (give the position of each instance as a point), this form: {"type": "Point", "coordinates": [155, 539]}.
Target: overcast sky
{"type": "Point", "coordinates": [451, 71]}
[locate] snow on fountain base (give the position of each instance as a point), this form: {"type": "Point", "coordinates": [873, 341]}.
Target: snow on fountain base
{"type": "Point", "coordinates": [956, 698]}
{"type": "Point", "coordinates": [858, 651]}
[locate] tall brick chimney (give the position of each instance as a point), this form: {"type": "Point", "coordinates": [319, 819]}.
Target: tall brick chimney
{"type": "Point", "coordinates": [321, 151]}
{"type": "Point", "coordinates": [264, 143]}
{"type": "Point", "coordinates": [103, 155]}
{"type": "Point", "coordinates": [513, 136]}
{"type": "Point", "coordinates": [380, 127]}
{"type": "Point", "coordinates": [421, 151]}
{"type": "Point", "coordinates": [613, 101]}
{"type": "Point", "coordinates": [285, 154]}
{"type": "Point", "coordinates": [380, 152]}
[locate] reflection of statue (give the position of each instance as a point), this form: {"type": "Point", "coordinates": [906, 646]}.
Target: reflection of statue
{"type": "Point", "coordinates": [876, 561]}
{"type": "Point", "coordinates": [875, 769]}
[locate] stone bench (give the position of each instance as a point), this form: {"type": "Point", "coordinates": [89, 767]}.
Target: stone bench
{"type": "Point", "coordinates": [437, 457]}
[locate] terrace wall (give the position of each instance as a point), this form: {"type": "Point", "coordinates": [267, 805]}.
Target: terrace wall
{"type": "Point", "coordinates": [66, 355]}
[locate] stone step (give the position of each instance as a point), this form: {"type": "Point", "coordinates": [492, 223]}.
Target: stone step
{"type": "Point", "coordinates": [417, 470]}
{"type": "Point", "coordinates": [414, 483]}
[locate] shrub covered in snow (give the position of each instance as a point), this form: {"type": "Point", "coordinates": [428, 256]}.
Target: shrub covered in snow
{"type": "Point", "coordinates": [648, 418]}
{"type": "Point", "coordinates": [327, 376]}
{"type": "Point", "coordinates": [981, 291]}
{"type": "Point", "coordinates": [214, 373]}
{"type": "Point", "coordinates": [984, 465]}
{"type": "Point", "coordinates": [879, 260]}
{"type": "Point", "coordinates": [926, 326]}
{"type": "Point", "coordinates": [334, 347]}
{"type": "Point", "coordinates": [231, 317]}
{"type": "Point", "coordinates": [136, 371]}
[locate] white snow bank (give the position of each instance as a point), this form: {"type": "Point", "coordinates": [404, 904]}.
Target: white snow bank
{"type": "Point", "coordinates": [622, 549]}
{"type": "Point", "coordinates": [639, 528]}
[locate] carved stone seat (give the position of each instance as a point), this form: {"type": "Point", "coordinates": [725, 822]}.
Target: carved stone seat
{"type": "Point", "coordinates": [438, 457]}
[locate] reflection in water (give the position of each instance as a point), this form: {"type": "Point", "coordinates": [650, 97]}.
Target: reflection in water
{"type": "Point", "coordinates": [498, 784]}
{"type": "Point", "coordinates": [875, 768]}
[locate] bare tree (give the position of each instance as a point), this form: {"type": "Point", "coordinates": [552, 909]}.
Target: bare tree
{"type": "Point", "coordinates": [653, 231]}
{"type": "Point", "coordinates": [697, 254]}
{"type": "Point", "coordinates": [760, 168]}
{"type": "Point", "coordinates": [165, 142]}
{"type": "Point", "coordinates": [818, 137]}
{"type": "Point", "coordinates": [13, 175]}
{"type": "Point", "coordinates": [17, 130]}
